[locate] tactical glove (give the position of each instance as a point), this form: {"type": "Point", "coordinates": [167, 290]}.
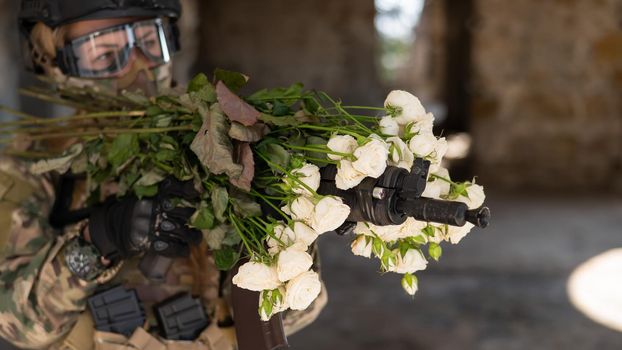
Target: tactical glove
{"type": "Point", "coordinates": [127, 226]}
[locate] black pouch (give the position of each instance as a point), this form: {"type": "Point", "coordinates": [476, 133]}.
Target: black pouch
{"type": "Point", "coordinates": [117, 310]}
{"type": "Point", "coordinates": [181, 318]}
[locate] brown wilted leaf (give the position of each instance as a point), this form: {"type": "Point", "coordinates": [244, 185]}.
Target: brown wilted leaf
{"type": "Point", "coordinates": [212, 145]}
{"type": "Point", "coordinates": [234, 107]}
{"type": "Point", "coordinates": [244, 156]}
{"type": "Point", "coordinates": [252, 133]}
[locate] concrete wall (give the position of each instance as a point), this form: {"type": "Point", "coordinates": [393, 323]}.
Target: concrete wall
{"type": "Point", "coordinates": [547, 93]}
{"type": "Point", "coordinates": [545, 89]}
{"type": "Point", "coordinates": [327, 45]}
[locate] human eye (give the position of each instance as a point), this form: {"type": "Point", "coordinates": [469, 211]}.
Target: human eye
{"type": "Point", "coordinates": [106, 56]}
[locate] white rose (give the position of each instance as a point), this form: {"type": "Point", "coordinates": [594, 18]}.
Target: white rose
{"type": "Point", "coordinates": [300, 208]}
{"type": "Point", "coordinates": [341, 144]}
{"type": "Point", "coordinates": [422, 145]}
{"type": "Point", "coordinates": [293, 261]}
{"type": "Point", "coordinates": [304, 234]}
{"type": "Point", "coordinates": [347, 177]}
{"type": "Point", "coordinates": [439, 234]}
{"type": "Point", "coordinates": [256, 276]}
{"type": "Point", "coordinates": [276, 299]}
{"type": "Point", "coordinates": [440, 149]}
{"type": "Point", "coordinates": [400, 155]}
{"type": "Point", "coordinates": [423, 124]}
{"type": "Point", "coordinates": [391, 233]}
{"type": "Point", "coordinates": [309, 174]}
{"type": "Point", "coordinates": [371, 158]}
{"type": "Point", "coordinates": [410, 106]}
{"type": "Point", "coordinates": [413, 260]}
{"type": "Point", "coordinates": [456, 233]}
{"type": "Point", "coordinates": [389, 126]}
{"type": "Point", "coordinates": [362, 246]}
{"type": "Point", "coordinates": [302, 290]}
{"type": "Point", "coordinates": [409, 283]}
{"type": "Point", "coordinates": [329, 214]}
{"type": "Point", "coordinates": [386, 233]}
{"type": "Point", "coordinates": [437, 187]}
{"type": "Point", "coordinates": [283, 235]}
{"type": "Point", "coordinates": [412, 228]}
{"type": "Point", "coordinates": [476, 196]}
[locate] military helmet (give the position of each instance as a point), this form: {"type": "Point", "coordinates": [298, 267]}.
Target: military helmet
{"type": "Point", "coordinates": [58, 12]}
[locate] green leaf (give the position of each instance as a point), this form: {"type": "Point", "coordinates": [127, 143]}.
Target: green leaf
{"type": "Point", "coordinates": [286, 95]}
{"type": "Point", "coordinates": [435, 251]}
{"type": "Point", "coordinates": [244, 205]}
{"type": "Point", "coordinates": [146, 191]}
{"type": "Point", "coordinates": [225, 258]}
{"type": "Point", "coordinates": [378, 247]}
{"type": "Point", "coordinates": [417, 240]}
{"type": "Point", "coordinates": [311, 105]}
{"type": "Point", "coordinates": [277, 154]}
{"type": "Point", "coordinates": [153, 111]}
{"type": "Point", "coordinates": [429, 230]}
{"type": "Point", "coordinates": [123, 148]}
{"type": "Point", "coordinates": [165, 155]}
{"type": "Point", "coordinates": [404, 247]}
{"type": "Point", "coordinates": [220, 200]}
{"type": "Point", "coordinates": [203, 218]}
{"type": "Point", "coordinates": [232, 238]}
{"type": "Point", "coordinates": [459, 189]}
{"type": "Point", "coordinates": [233, 80]}
{"type": "Point", "coordinates": [288, 120]}
{"type": "Point", "coordinates": [198, 82]}
{"type": "Point", "coordinates": [60, 164]}
{"type": "Point", "coordinates": [316, 141]}
{"type": "Point", "coordinates": [280, 109]}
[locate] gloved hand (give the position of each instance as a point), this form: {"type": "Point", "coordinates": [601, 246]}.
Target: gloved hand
{"type": "Point", "coordinates": [127, 226]}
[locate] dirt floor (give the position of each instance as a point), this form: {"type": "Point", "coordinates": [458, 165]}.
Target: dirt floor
{"type": "Point", "coordinates": [501, 288]}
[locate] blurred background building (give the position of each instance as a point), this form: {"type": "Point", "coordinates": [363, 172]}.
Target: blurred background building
{"type": "Point", "coordinates": [530, 94]}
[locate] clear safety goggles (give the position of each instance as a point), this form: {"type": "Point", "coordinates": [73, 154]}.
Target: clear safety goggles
{"type": "Point", "coordinates": [105, 53]}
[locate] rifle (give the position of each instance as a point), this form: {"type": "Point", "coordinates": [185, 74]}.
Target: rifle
{"type": "Point", "coordinates": [396, 195]}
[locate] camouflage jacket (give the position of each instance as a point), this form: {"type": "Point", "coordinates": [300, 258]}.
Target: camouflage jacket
{"type": "Point", "coordinates": [41, 300]}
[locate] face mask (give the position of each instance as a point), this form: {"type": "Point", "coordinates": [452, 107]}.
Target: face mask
{"type": "Point", "coordinates": [151, 81]}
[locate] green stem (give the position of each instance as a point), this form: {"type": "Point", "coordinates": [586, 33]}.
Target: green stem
{"type": "Point", "coordinates": [18, 113]}
{"type": "Point", "coordinates": [289, 174]}
{"type": "Point", "coordinates": [106, 131]}
{"type": "Point", "coordinates": [340, 109]}
{"type": "Point", "coordinates": [241, 234]}
{"type": "Point", "coordinates": [442, 178]}
{"type": "Point", "coordinates": [75, 117]}
{"type": "Point", "coordinates": [29, 154]}
{"type": "Point", "coordinates": [331, 129]}
{"type": "Point", "coordinates": [282, 213]}
{"type": "Point", "coordinates": [52, 99]}
{"type": "Point", "coordinates": [316, 149]}
{"type": "Point", "coordinates": [319, 160]}
{"type": "Point", "coordinates": [366, 107]}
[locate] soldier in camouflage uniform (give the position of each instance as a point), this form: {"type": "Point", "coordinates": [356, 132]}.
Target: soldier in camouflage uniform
{"type": "Point", "coordinates": [47, 272]}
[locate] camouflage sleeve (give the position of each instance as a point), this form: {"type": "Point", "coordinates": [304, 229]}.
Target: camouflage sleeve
{"type": "Point", "coordinates": [40, 299]}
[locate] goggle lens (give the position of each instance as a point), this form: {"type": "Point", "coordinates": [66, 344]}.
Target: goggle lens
{"type": "Point", "coordinates": [107, 52]}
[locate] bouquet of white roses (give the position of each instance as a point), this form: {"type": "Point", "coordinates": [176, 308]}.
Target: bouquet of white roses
{"type": "Point", "coordinates": [257, 160]}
